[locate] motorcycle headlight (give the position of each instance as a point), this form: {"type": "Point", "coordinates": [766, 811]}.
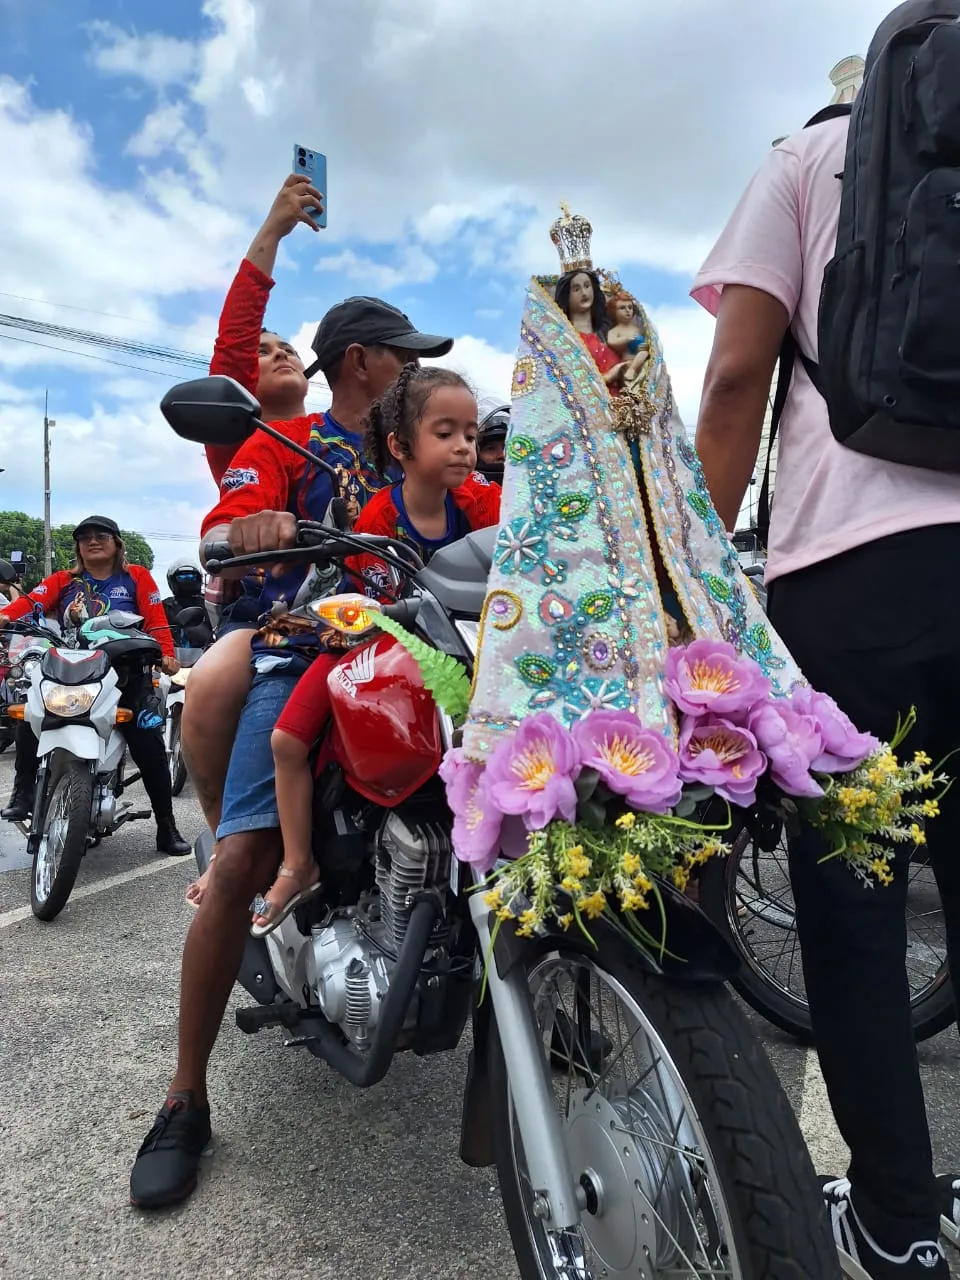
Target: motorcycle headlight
{"type": "Point", "coordinates": [351, 614]}
{"type": "Point", "coordinates": [69, 699]}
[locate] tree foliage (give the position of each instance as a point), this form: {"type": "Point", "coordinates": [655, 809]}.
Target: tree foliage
{"type": "Point", "coordinates": [20, 532]}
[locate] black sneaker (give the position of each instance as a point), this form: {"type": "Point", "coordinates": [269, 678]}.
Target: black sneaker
{"type": "Point", "coordinates": [862, 1258]}
{"type": "Point", "coordinates": [948, 1198]}
{"type": "Point", "coordinates": [165, 1170]}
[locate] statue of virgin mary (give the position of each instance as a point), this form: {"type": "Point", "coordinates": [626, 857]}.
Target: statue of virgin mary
{"type": "Point", "coordinates": [609, 547]}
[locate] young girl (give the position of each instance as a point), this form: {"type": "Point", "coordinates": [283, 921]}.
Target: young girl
{"type": "Point", "coordinates": [427, 423]}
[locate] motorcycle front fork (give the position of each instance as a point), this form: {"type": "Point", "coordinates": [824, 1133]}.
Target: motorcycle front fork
{"type": "Point", "coordinates": [556, 1201]}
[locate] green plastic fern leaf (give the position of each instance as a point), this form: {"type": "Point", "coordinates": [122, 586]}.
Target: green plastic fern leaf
{"type": "Point", "coordinates": [442, 674]}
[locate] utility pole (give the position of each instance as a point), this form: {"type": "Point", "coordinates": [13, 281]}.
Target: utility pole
{"type": "Point", "coordinates": [47, 539]}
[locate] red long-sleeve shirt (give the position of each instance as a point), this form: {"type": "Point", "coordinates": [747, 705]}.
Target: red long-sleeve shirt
{"type": "Point", "coordinates": [53, 596]}
{"type": "Point", "coordinates": [236, 352]}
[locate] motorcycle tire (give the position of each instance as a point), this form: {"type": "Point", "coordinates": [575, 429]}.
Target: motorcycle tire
{"type": "Point", "coordinates": [68, 804]}
{"type": "Point", "coordinates": [933, 1006]}
{"type": "Point", "coordinates": [175, 762]}
{"type": "Point", "coordinates": [748, 1143]}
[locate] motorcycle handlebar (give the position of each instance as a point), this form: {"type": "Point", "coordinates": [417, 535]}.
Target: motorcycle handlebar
{"type": "Point", "coordinates": [318, 544]}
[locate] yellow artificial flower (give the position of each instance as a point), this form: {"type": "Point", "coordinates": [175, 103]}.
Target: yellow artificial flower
{"type": "Point", "coordinates": [505, 914]}
{"type": "Point", "coordinates": [917, 836]}
{"type": "Point", "coordinates": [529, 917]}
{"type": "Point", "coordinates": [680, 877]}
{"type": "Point", "coordinates": [627, 821]}
{"type": "Point", "coordinates": [922, 758]}
{"type": "Point", "coordinates": [577, 863]}
{"type": "Point", "coordinates": [571, 884]}
{"type": "Point", "coordinates": [930, 808]}
{"type": "Point", "coordinates": [926, 781]}
{"type": "Point", "coordinates": [494, 898]}
{"type": "Point", "coordinates": [631, 900]}
{"type": "Point", "coordinates": [565, 921]}
{"type": "Point", "coordinates": [594, 905]}
{"type": "Point", "coordinates": [630, 864]}
{"type": "Point", "coordinates": [882, 871]}
{"type": "Point", "coordinates": [643, 883]}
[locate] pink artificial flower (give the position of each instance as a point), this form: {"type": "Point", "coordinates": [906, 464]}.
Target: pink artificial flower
{"type": "Point", "coordinates": [533, 773]}
{"type": "Point", "coordinates": [791, 743]}
{"type": "Point", "coordinates": [844, 747]}
{"type": "Point", "coordinates": [476, 821]}
{"type": "Point", "coordinates": [720, 754]}
{"type": "Point", "coordinates": [709, 676]}
{"type": "Point", "coordinates": [633, 762]}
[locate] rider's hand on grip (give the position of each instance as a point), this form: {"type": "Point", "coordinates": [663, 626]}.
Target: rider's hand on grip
{"type": "Point", "coordinates": [265, 531]}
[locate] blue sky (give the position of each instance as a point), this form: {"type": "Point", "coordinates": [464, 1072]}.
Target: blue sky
{"type": "Point", "coordinates": [144, 143]}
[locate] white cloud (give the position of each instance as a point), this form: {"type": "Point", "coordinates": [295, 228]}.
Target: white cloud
{"type": "Point", "coordinates": [436, 118]}
{"type": "Point", "coordinates": [413, 266]}
{"type": "Point", "coordinates": [160, 60]}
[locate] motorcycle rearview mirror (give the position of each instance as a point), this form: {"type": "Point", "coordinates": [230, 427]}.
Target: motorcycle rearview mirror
{"type": "Point", "coordinates": [8, 573]}
{"type": "Point", "coordinates": [191, 617]}
{"type": "Point", "coordinates": [213, 410]}
{"type": "Point", "coordinates": [217, 410]}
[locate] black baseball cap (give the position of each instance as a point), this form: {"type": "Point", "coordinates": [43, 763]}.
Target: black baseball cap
{"type": "Point", "coordinates": [369, 322]}
{"type": "Point", "coordinates": [103, 523]}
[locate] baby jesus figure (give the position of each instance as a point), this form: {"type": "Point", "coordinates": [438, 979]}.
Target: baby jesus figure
{"type": "Point", "coordinates": [625, 335]}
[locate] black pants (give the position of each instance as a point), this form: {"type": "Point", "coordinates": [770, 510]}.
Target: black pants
{"type": "Point", "coordinates": [146, 747]}
{"type": "Point", "coordinates": [879, 629]}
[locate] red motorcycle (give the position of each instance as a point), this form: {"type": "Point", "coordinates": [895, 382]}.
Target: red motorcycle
{"type": "Point", "coordinates": [637, 1126]}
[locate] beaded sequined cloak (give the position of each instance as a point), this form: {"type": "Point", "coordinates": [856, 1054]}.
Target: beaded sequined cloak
{"type": "Point", "coordinates": [573, 618]}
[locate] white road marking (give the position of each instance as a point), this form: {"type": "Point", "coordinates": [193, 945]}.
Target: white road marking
{"type": "Point", "coordinates": [827, 1149]}
{"type": "Point", "coordinates": [163, 863]}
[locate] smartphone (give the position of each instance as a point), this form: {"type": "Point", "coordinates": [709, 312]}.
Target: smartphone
{"type": "Point", "coordinates": [313, 165]}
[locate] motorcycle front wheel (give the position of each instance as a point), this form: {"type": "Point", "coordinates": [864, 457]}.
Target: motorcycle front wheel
{"type": "Point", "coordinates": [63, 835]}
{"type": "Point", "coordinates": [175, 762]}
{"type": "Point", "coordinates": [687, 1152]}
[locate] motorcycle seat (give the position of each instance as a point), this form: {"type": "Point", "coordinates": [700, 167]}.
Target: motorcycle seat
{"type": "Point", "coordinates": [457, 574]}
{"type": "Point", "coordinates": [141, 646]}
{"type": "Point", "coordinates": [74, 666]}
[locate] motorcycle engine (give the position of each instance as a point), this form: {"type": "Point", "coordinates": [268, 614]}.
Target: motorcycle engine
{"type": "Point", "coordinates": [352, 957]}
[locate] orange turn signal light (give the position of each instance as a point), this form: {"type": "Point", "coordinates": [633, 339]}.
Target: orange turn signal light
{"type": "Point", "coordinates": [16, 711]}
{"type": "Point", "coordinates": [124, 715]}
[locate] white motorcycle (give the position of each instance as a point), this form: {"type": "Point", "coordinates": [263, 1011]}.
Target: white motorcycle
{"type": "Point", "coordinates": [73, 708]}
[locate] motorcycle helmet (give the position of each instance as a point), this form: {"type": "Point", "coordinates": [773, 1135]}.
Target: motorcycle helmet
{"type": "Point", "coordinates": [185, 577]}
{"type": "Point", "coordinates": [491, 439]}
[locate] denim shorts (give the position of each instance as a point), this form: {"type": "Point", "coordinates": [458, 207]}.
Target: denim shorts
{"type": "Point", "coordinates": [249, 793]}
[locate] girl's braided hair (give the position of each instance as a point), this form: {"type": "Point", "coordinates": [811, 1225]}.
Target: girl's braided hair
{"type": "Point", "coordinates": [400, 410]}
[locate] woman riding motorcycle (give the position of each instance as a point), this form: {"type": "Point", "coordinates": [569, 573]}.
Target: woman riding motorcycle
{"type": "Point", "coordinates": [102, 580]}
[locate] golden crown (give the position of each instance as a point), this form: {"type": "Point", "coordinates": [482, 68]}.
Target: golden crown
{"type": "Point", "coordinates": [571, 234]}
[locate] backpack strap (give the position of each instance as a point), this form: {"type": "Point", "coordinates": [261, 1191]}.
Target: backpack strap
{"type": "Point", "coordinates": [788, 355]}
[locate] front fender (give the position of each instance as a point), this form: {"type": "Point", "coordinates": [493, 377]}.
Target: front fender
{"type": "Point", "coordinates": [79, 740]}
{"type": "Point", "coordinates": [686, 946]}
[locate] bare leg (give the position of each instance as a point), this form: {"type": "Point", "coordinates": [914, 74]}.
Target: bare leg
{"type": "Point", "coordinates": [294, 782]}
{"type": "Point", "coordinates": [214, 949]}
{"type": "Point", "coordinates": [216, 691]}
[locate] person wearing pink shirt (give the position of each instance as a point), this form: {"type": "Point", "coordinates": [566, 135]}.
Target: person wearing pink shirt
{"type": "Point", "coordinates": [862, 556]}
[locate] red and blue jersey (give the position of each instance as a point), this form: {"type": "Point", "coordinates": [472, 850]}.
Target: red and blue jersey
{"type": "Point", "coordinates": [474, 505]}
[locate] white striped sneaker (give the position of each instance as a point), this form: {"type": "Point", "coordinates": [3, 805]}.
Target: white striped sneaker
{"type": "Point", "coordinates": [862, 1258]}
{"type": "Point", "coordinates": [948, 1190]}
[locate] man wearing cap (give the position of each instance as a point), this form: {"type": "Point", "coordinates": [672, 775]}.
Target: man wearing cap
{"type": "Point", "coordinates": [361, 346]}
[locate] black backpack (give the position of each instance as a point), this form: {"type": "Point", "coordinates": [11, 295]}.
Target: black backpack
{"type": "Point", "coordinates": [889, 325]}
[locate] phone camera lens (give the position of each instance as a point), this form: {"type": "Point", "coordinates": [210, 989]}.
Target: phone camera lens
{"type": "Point", "coordinates": [303, 155]}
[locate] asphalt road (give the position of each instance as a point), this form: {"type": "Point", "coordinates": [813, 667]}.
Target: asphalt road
{"type": "Point", "coordinates": [308, 1176]}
